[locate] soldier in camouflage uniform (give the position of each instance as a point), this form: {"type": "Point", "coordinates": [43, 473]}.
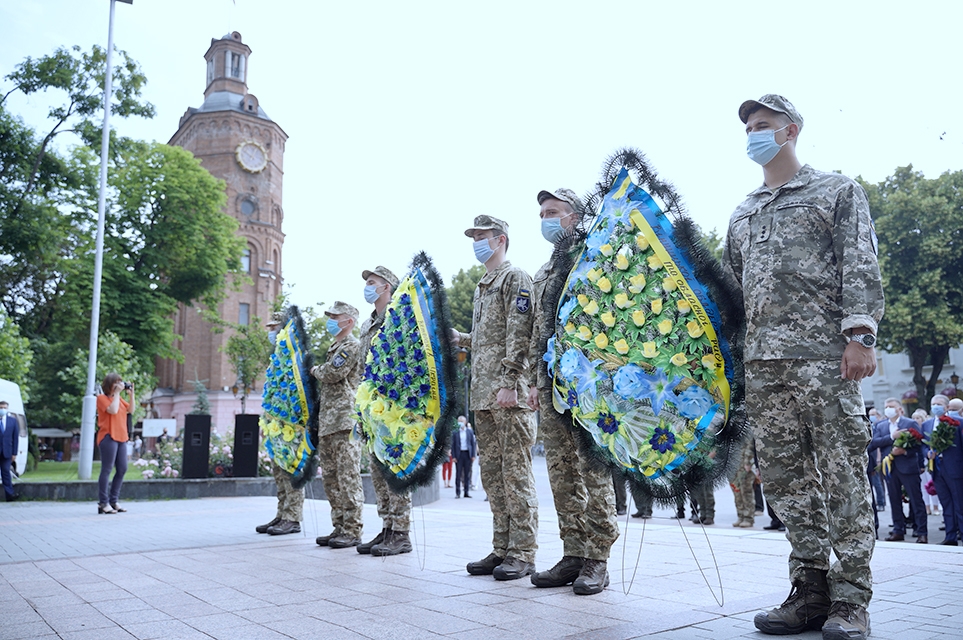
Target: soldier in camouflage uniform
{"type": "Point", "coordinates": [504, 428]}
{"type": "Point", "coordinates": [742, 482]}
{"type": "Point", "coordinates": [394, 508]}
{"type": "Point", "coordinates": [803, 249]}
{"type": "Point", "coordinates": [584, 494]}
{"type": "Point", "coordinates": [339, 452]}
{"type": "Point", "coordinates": [290, 500]}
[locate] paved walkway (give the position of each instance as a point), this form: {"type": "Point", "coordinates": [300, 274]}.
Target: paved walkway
{"type": "Point", "coordinates": [195, 569]}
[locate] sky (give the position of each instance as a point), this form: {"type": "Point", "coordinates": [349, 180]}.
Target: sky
{"type": "Point", "coordinates": [406, 120]}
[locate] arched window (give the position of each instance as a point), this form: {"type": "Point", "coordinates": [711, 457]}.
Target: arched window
{"type": "Point", "coordinates": [246, 260]}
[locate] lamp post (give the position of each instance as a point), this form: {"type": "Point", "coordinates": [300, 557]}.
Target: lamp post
{"type": "Point", "coordinates": [955, 379]}
{"type": "Point", "coordinates": [90, 400]}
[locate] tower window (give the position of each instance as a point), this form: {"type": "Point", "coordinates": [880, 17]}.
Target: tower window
{"type": "Point", "coordinates": [244, 313]}
{"type": "Point", "coordinates": [234, 65]}
{"type": "Point", "coordinates": [248, 207]}
{"type": "Point", "coordinates": [210, 71]}
{"type": "Point", "coordinates": [246, 261]}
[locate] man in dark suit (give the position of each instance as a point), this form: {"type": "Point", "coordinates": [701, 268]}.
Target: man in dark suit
{"type": "Point", "coordinates": [905, 473]}
{"type": "Point", "coordinates": [9, 439]}
{"type": "Point", "coordinates": [463, 450]}
{"type": "Point", "coordinates": [947, 469]}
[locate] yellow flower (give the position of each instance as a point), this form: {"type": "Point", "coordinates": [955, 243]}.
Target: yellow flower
{"type": "Point", "coordinates": [655, 262]}
{"type": "Point", "coordinates": [694, 328]}
{"type": "Point", "coordinates": [273, 428]}
{"type": "Point", "coordinates": [649, 350]}
{"type": "Point", "coordinates": [287, 433]}
{"type": "Point", "coordinates": [569, 328]}
{"type": "Point", "coordinates": [392, 417]}
{"type": "Point", "coordinates": [657, 306]}
{"type": "Point", "coordinates": [601, 341]}
{"type": "Point", "coordinates": [622, 346]}
{"type": "Point", "coordinates": [608, 319]}
{"type": "Point", "coordinates": [623, 301]}
{"type": "Point", "coordinates": [621, 262]}
{"type": "Point", "coordinates": [638, 283]}
{"type": "Point", "coordinates": [669, 284]}
{"type": "Point", "coordinates": [364, 396]}
{"type": "Point", "coordinates": [594, 274]}
{"type": "Point", "coordinates": [414, 435]}
{"type": "Point", "coordinates": [684, 306]}
{"type": "Point", "coordinates": [584, 332]}
{"type": "Point", "coordinates": [638, 317]}
{"type": "Point", "coordinates": [665, 327]}
{"type": "Point", "coordinates": [641, 242]}
{"type": "Point", "coordinates": [709, 361]}
{"type": "Point", "coordinates": [606, 250]}
{"type": "Point", "coordinates": [604, 284]}
{"type": "Point", "coordinates": [591, 308]}
{"type": "Point", "coordinates": [679, 359]}
{"type": "Point", "coordinates": [582, 299]}
{"type": "Point", "coordinates": [377, 407]}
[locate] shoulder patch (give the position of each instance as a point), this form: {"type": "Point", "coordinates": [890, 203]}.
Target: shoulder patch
{"type": "Point", "coordinates": [523, 301]}
{"type": "Point", "coordinates": [340, 359]}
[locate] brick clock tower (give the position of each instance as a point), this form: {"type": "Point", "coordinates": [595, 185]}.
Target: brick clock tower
{"type": "Point", "coordinates": [237, 142]}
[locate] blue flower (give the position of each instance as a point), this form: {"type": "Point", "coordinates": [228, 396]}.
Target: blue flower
{"type": "Point", "coordinates": [406, 380]}
{"type": "Point", "coordinates": [423, 389]}
{"type": "Point", "coordinates": [694, 402]}
{"type": "Point", "coordinates": [382, 389]}
{"type": "Point", "coordinates": [395, 320]}
{"type": "Point", "coordinates": [398, 336]}
{"type": "Point", "coordinates": [627, 381]}
{"type": "Point", "coordinates": [572, 399]}
{"type": "Point", "coordinates": [368, 374]}
{"type": "Point", "coordinates": [607, 422]}
{"type": "Point", "coordinates": [656, 388]}
{"type": "Point", "coordinates": [402, 367]}
{"type": "Point", "coordinates": [385, 347]}
{"type": "Point", "coordinates": [419, 354]}
{"type": "Point", "coordinates": [412, 402]}
{"type": "Point", "coordinates": [401, 352]}
{"type": "Point", "coordinates": [581, 272]}
{"type": "Point", "coordinates": [418, 370]}
{"type": "Point", "coordinates": [393, 451]}
{"type": "Point", "coordinates": [576, 367]}
{"type": "Point", "coordinates": [393, 394]}
{"type": "Point", "coordinates": [412, 321]}
{"type": "Point", "coordinates": [390, 362]}
{"type": "Point", "coordinates": [375, 356]}
{"type": "Point", "coordinates": [405, 299]}
{"type": "Point", "coordinates": [662, 440]}
{"type": "Point", "coordinates": [390, 378]}
{"type": "Point", "coordinates": [595, 241]}
{"type": "Point", "coordinates": [567, 310]}
{"type": "Point", "coordinates": [549, 356]}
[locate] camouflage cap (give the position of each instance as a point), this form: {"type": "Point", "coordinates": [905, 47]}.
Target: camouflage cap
{"type": "Point", "coordinates": [276, 317]}
{"type": "Point", "coordinates": [565, 195]}
{"type": "Point", "coordinates": [381, 272]}
{"type": "Point", "coordinates": [342, 308]}
{"type": "Point", "coordinates": [483, 223]}
{"type": "Point", "coordinates": [770, 101]}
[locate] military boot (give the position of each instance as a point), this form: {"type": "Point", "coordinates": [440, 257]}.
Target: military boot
{"type": "Point", "coordinates": [563, 573]}
{"type": "Point", "coordinates": [806, 608]}
{"type": "Point", "coordinates": [284, 527]}
{"type": "Point", "coordinates": [592, 579]}
{"type": "Point", "coordinates": [262, 528]}
{"type": "Point", "coordinates": [395, 542]}
{"type": "Point", "coordinates": [513, 568]}
{"type": "Point", "coordinates": [378, 539]}
{"type": "Point", "coordinates": [343, 541]}
{"type": "Point", "coordinates": [846, 621]}
{"type": "Point", "coordinates": [485, 566]}
{"type": "Point", "coordinates": [323, 540]}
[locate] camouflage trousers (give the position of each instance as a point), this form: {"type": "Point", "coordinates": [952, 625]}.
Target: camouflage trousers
{"type": "Point", "coordinates": [741, 482]}
{"type": "Point", "coordinates": [584, 494]}
{"type": "Point", "coordinates": [705, 502]}
{"type": "Point", "coordinates": [815, 468]}
{"type": "Point", "coordinates": [505, 439]}
{"type": "Point", "coordinates": [393, 508]}
{"type": "Point", "coordinates": [340, 457]}
{"type": "Point", "coordinates": [290, 500]}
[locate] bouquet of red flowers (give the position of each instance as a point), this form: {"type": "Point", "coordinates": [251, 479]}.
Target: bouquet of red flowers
{"type": "Point", "coordinates": [909, 439]}
{"type": "Point", "coordinates": [943, 434]}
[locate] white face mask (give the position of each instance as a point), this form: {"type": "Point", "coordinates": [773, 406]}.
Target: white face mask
{"type": "Point", "coordinates": [890, 412]}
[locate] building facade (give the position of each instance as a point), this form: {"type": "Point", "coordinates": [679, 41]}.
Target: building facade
{"type": "Point", "coordinates": [237, 142]}
{"type": "Point", "coordinates": [894, 379]}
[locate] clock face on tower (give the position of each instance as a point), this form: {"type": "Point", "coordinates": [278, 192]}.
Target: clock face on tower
{"type": "Point", "coordinates": [251, 156]}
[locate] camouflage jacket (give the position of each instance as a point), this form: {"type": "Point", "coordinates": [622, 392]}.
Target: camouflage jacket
{"type": "Point", "coordinates": [369, 329]}
{"type": "Point", "coordinates": [340, 376]}
{"type": "Point", "coordinates": [544, 327]}
{"type": "Point", "coordinates": [500, 335]}
{"type": "Point", "coordinates": [805, 256]}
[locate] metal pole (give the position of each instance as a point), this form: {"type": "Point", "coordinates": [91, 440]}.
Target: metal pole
{"type": "Point", "coordinates": [87, 427]}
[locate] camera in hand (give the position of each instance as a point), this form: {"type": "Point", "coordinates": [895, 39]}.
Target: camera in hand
{"type": "Point", "coordinates": [128, 386]}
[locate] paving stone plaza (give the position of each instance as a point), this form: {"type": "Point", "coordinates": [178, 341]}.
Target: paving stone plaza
{"type": "Point", "coordinates": [195, 569]}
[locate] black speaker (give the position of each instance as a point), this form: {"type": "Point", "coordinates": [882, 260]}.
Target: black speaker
{"type": "Point", "coordinates": [245, 445]}
{"type": "Point", "coordinates": [197, 446]}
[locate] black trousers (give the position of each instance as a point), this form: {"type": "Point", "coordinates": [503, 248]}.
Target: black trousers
{"type": "Point", "coordinates": [462, 472]}
{"type": "Point", "coordinates": [911, 482]}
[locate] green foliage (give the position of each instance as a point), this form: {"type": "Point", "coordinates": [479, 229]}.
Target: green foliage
{"type": "Point", "coordinates": [202, 407]}
{"type": "Point", "coordinates": [461, 293]}
{"type": "Point", "coordinates": [919, 222]}
{"type": "Point", "coordinates": [714, 242]}
{"type": "Point", "coordinates": [113, 355]}
{"type": "Point", "coordinates": [248, 350]}
{"type": "Point", "coordinates": [15, 356]}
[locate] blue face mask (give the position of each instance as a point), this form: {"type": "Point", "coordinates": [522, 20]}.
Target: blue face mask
{"type": "Point", "coordinates": [371, 294]}
{"type": "Point", "coordinates": [552, 229]}
{"type": "Point", "coordinates": [3, 413]}
{"type": "Point", "coordinates": [937, 410]}
{"type": "Point", "coordinates": [761, 146]}
{"type": "Point", "coordinates": [332, 326]}
{"type": "Point", "coordinates": [273, 337]}
{"type": "Point", "coordinates": [483, 250]}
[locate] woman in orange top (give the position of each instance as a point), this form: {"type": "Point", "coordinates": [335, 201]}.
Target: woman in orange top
{"type": "Point", "coordinates": [112, 413]}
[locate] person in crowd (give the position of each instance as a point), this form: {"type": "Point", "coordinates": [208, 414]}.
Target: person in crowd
{"type": "Point", "coordinates": [9, 441]}
{"type": "Point", "coordinates": [907, 466]}
{"type": "Point", "coordinates": [463, 450]}
{"type": "Point", "coordinates": [112, 411]}
{"type": "Point", "coordinates": [947, 470]}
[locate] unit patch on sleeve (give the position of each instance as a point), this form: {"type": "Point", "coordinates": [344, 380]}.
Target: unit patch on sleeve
{"type": "Point", "coordinates": [523, 301]}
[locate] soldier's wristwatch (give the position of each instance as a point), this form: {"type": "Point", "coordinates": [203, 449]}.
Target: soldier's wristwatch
{"type": "Point", "coordinates": [868, 340]}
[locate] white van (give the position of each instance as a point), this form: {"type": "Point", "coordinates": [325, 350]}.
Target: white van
{"type": "Point", "coordinates": [10, 392]}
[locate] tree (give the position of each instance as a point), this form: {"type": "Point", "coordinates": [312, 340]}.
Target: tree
{"type": "Point", "coordinates": [249, 351]}
{"type": "Point", "coordinates": [202, 407]}
{"type": "Point", "coordinates": [919, 223]}
{"type": "Point", "coordinates": [461, 293]}
{"type": "Point", "coordinates": [15, 356]}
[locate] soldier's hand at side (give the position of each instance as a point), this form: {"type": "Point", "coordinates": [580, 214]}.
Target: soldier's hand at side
{"type": "Point", "coordinates": [858, 362]}
{"type": "Point", "coordinates": [455, 338]}
{"type": "Point", "coordinates": [507, 398]}
{"type": "Point", "coordinates": [533, 398]}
